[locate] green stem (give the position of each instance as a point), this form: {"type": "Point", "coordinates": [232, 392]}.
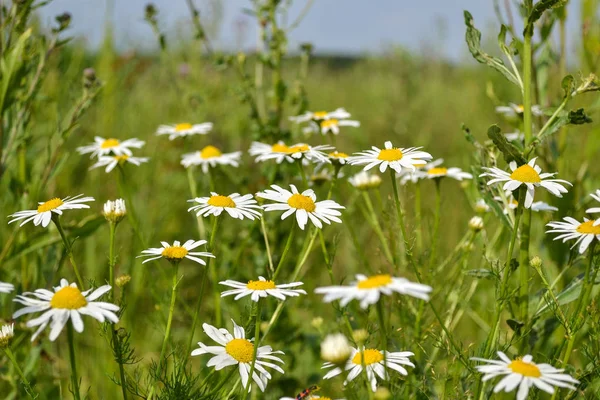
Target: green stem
{"type": "Point", "coordinates": [436, 223]}
{"type": "Point", "coordinates": [524, 267]}
{"type": "Point", "coordinates": [69, 249]}
{"type": "Point", "coordinates": [197, 310]}
{"type": "Point", "coordinates": [111, 260]}
{"type": "Point", "coordinates": [288, 245]}
{"type": "Point", "coordinates": [213, 276]}
{"type": "Point", "coordinates": [169, 320]}
{"type": "Point", "coordinates": [302, 173]}
{"type": "Point", "coordinates": [256, 343]}
{"type": "Point", "coordinates": [131, 214]}
{"type": "Point", "coordinates": [267, 246]}
{"type": "Point", "coordinates": [194, 193]}
{"type": "Point", "coordinates": [407, 245]}
{"type": "Point", "coordinates": [527, 120]}
{"type": "Point", "coordinates": [418, 215]}
{"type": "Point", "coordinates": [382, 330]}
{"type": "Point", "coordinates": [377, 228]}
{"type": "Point", "coordinates": [26, 383]}
{"type": "Point", "coordinates": [74, 376]}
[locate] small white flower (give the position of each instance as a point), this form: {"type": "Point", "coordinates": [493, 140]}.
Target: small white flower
{"type": "Point", "coordinates": [394, 157]}
{"type": "Point", "coordinates": [299, 151]}
{"type": "Point", "coordinates": [6, 287]}
{"type": "Point", "coordinates": [333, 125]}
{"type": "Point", "coordinates": [338, 157]}
{"type": "Point", "coordinates": [114, 211]}
{"type": "Point", "coordinates": [512, 204]}
{"type": "Point", "coordinates": [523, 373]}
{"type": "Point", "coordinates": [583, 232]}
{"type": "Point", "coordinates": [110, 162]}
{"type": "Point", "coordinates": [513, 110]}
{"type": "Point", "coordinates": [262, 288]}
{"type": "Point", "coordinates": [210, 156]}
{"type": "Point", "coordinates": [476, 224]}
{"type": "Point", "coordinates": [373, 360]}
{"type": "Point", "coordinates": [304, 205]}
{"type": "Point", "coordinates": [595, 196]}
{"type": "Point", "coordinates": [336, 349]}
{"type": "Point", "coordinates": [529, 175]}
{"type": "Point", "coordinates": [237, 350]}
{"type": "Point", "coordinates": [66, 302]}
{"type": "Point", "coordinates": [103, 147]}
{"type": "Point", "coordinates": [43, 214]}
{"type": "Point", "coordinates": [6, 334]}
{"type": "Point", "coordinates": [365, 180]}
{"type": "Point", "coordinates": [369, 289]}
{"type": "Point", "coordinates": [177, 252]}
{"type": "Point", "coordinates": [339, 113]}
{"type": "Point", "coordinates": [278, 152]}
{"type": "Point", "coordinates": [184, 129]}
{"type": "Point", "coordinates": [236, 205]}
{"type": "Point", "coordinates": [434, 171]}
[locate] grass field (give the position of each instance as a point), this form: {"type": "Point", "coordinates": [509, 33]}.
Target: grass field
{"type": "Point", "coordinates": [501, 283]}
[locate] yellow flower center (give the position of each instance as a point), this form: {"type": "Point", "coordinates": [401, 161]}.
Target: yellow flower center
{"type": "Point", "coordinates": [69, 298]}
{"type": "Point", "coordinates": [240, 349]}
{"type": "Point", "coordinates": [50, 205]}
{"type": "Point", "coordinates": [122, 158]}
{"type": "Point", "coordinates": [174, 252]}
{"type": "Point", "coordinates": [329, 123]}
{"type": "Point", "coordinates": [520, 109]}
{"type": "Point", "coordinates": [438, 171]}
{"type": "Point", "coordinates": [371, 356]}
{"type": "Point", "coordinates": [298, 148]}
{"type": "Point", "coordinates": [221, 201]}
{"type": "Point", "coordinates": [261, 285]}
{"type": "Point", "coordinates": [526, 174]}
{"type": "Point", "coordinates": [589, 228]}
{"type": "Point", "coordinates": [109, 143]}
{"type": "Point", "coordinates": [302, 202]}
{"type": "Point", "coordinates": [521, 367]}
{"type": "Point", "coordinates": [210, 152]}
{"type": "Point", "coordinates": [375, 282]}
{"type": "Point", "coordinates": [183, 126]}
{"type": "Point", "coordinates": [390, 155]}
{"type": "Point", "coordinates": [338, 154]}
{"type": "Point", "coordinates": [319, 114]}
{"type": "Point", "coordinates": [280, 148]}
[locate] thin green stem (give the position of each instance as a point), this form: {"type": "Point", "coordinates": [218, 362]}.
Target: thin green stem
{"type": "Point", "coordinates": [436, 222]}
{"type": "Point", "coordinates": [302, 173]}
{"type": "Point", "coordinates": [74, 376]}
{"type": "Point", "coordinates": [407, 245]}
{"type": "Point", "coordinates": [418, 216]}
{"type": "Point", "coordinates": [256, 342]}
{"type": "Point", "coordinates": [213, 275]}
{"type": "Point", "coordinates": [382, 330]}
{"type": "Point", "coordinates": [169, 319]}
{"type": "Point", "coordinates": [26, 383]}
{"type": "Point", "coordinates": [68, 248]}
{"type": "Point", "coordinates": [194, 192]}
{"type": "Point", "coordinates": [527, 83]}
{"type": "Point", "coordinates": [131, 214]}
{"type": "Point", "coordinates": [377, 228]}
{"type": "Point", "coordinates": [524, 267]}
{"type": "Point", "coordinates": [263, 227]}
{"type": "Point", "coordinates": [111, 260]}
{"type": "Point", "coordinates": [288, 245]}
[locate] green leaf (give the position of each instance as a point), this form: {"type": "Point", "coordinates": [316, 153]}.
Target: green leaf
{"type": "Point", "coordinates": [9, 65]}
{"type": "Point", "coordinates": [510, 152]}
{"type": "Point", "coordinates": [481, 274]}
{"type": "Point", "coordinates": [539, 9]}
{"type": "Point", "coordinates": [578, 117]}
{"type": "Point", "coordinates": [515, 325]}
{"type": "Point", "coordinates": [569, 293]}
{"type": "Point", "coordinates": [473, 38]}
{"type": "Point", "coordinates": [568, 85]}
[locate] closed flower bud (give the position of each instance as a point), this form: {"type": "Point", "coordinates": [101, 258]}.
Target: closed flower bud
{"type": "Point", "coordinates": [476, 224]}
{"type": "Point", "coordinates": [122, 280]}
{"type": "Point", "coordinates": [335, 349]}
{"type": "Point", "coordinates": [364, 180]}
{"type": "Point", "coordinates": [536, 262]}
{"type": "Point", "coordinates": [114, 211]}
{"type": "Point", "coordinates": [360, 336]}
{"type": "Point", "coordinates": [481, 207]}
{"type": "Point", "coordinates": [382, 394]}
{"type": "Point", "coordinates": [317, 322]}
{"type": "Point", "coordinates": [6, 335]}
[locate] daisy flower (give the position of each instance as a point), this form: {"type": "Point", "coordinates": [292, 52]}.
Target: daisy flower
{"type": "Point", "coordinates": [297, 152]}
{"type": "Point", "coordinates": [6, 334]}
{"type": "Point", "coordinates": [583, 232]}
{"type": "Point", "coordinates": [369, 289]}
{"type": "Point", "coordinates": [237, 350]}
{"type": "Point", "coordinates": [175, 253]}
{"type": "Point", "coordinates": [394, 157]}
{"type": "Point", "coordinates": [523, 373]}
{"type": "Point", "coordinates": [333, 125]}
{"type": "Point", "coordinates": [303, 204]}
{"type": "Point", "coordinates": [277, 151]}
{"type": "Point", "coordinates": [595, 196]}
{"type": "Point", "coordinates": [365, 180]}
{"type": "Point", "coordinates": [103, 147]}
{"type": "Point", "coordinates": [339, 113]}
{"type": "Point", "coordinates": [512, 204]}
{"type": "Point", "coordinates": [337, 157]}
{"type": "Point", "coordinates": [261, 288]}
{"type": "Point", "coordinates": [513, 110]}
{"type": "Point", "coordinates": [373, 360]}
{"type": "Point", "coordinates": [529, 175]}
{"type": "Point", "coordinates": [235, 205]}
{"type": "Point", "coordinates": [43, 214]}
{"type": "Point", "coordinates": [210, 156]}
{"type": "Point", "coordinates": [110, 162]}
{"type": "Point", "coordinates": [66, 302]}
{"type": "Point", "coordinates": [6, 287]}
{"type": "Point", "coordinates": [184, 129]}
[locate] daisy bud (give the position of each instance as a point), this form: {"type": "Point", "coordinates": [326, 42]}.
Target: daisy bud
{"type": "Point", "coordinates": [114, 211]}
{"type": "Point", "coordinates": [382, 394]}
{"type": "Point", "coordinates": [481, 207]}
{"type": "Point", "coordinates": [122, 280]}
{"type": "Point", "coordinates": [360, 336]}
{"type": "Point", "coordinates": [335, 349]}
{"type": "Point", "coordinates": [536, 262]}
{"type": "Point", "coordinates": [364, 180]}
{"type": "Point", "coordinates": [317, 323]}
{"type": "Point", "coordinates": [6, 335]}
{"type": "Point", "coordinates": [476, 224]}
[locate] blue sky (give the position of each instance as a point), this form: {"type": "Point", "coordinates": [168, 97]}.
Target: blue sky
{"type": "Point", "coordinates": [339, 26]}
